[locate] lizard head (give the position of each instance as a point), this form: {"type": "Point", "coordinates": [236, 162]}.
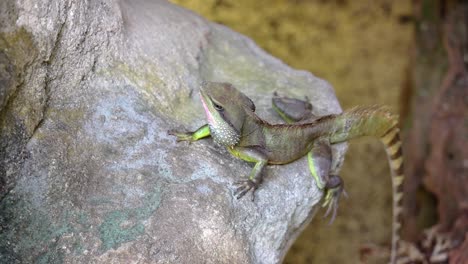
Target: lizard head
{"type": "Point", "coordinates": [226, 109]}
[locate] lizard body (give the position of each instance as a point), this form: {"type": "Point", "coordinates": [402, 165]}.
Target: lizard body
{"type": "Point", "coordinates": [232, 123]}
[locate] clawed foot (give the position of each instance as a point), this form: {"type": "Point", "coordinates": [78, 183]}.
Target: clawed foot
{"type": "Point", "coordinates": [181, 136]}
{"type": "Point", "coordinates": [335, 189]}
{"type": "Point", "coordinates": [244, 186]}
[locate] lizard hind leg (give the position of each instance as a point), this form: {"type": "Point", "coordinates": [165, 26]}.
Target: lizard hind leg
{"type": "Point", "coordinates": [334, 190]}
{"type": "Point", "coordinates": [320, 161]}
{"type": "Point", "coordinates": [292, 110]}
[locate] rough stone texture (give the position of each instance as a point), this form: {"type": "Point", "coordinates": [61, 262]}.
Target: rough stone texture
{"type": "Point", "coordinates": [88, 174]}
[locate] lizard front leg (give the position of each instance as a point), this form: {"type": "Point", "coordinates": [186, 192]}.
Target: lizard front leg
{"type": "Point", "coordinates": [320, 161]}
{"type": "Point", "coordinates": [202, 132]}
{"type": "Point", "coordinates": [250, 154]}
{"type": "Point", "coordinates": [292, 110]}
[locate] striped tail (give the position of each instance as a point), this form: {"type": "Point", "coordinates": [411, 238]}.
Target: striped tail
{"type": "Point", "coordinates": [392, 142]}
{"type": "Point", "coordinates": [378, 122]}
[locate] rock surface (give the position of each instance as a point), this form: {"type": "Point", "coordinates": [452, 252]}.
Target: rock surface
{"type": "Point", "coordinates": [88, 173]}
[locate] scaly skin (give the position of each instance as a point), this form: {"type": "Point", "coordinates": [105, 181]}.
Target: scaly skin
{"type": "Point", "coordinates": [232, 123]}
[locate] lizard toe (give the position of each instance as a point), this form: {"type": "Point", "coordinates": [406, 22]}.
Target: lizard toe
{"type": "Point", "coordinates": [243, 187]}
{"type": "Point", "coordinates": [332, 197]}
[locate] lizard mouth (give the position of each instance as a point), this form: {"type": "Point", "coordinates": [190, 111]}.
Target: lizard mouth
{"type": "Point", "coordinates": [204, 98]}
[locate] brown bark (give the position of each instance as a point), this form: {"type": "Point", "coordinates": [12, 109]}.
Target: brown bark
{"type": "Point", "coordinates": [436, 141]}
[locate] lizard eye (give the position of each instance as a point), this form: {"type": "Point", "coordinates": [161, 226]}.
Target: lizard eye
{"type": "Point", "coordinates": [217, 106]}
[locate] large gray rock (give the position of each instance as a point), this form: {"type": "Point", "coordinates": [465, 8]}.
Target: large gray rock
{"type": "Point", "coordinates": [88, 173]}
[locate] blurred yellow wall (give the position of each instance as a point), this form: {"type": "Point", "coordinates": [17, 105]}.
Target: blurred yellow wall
{"type": "Point", "coordinates": [362, 49]}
